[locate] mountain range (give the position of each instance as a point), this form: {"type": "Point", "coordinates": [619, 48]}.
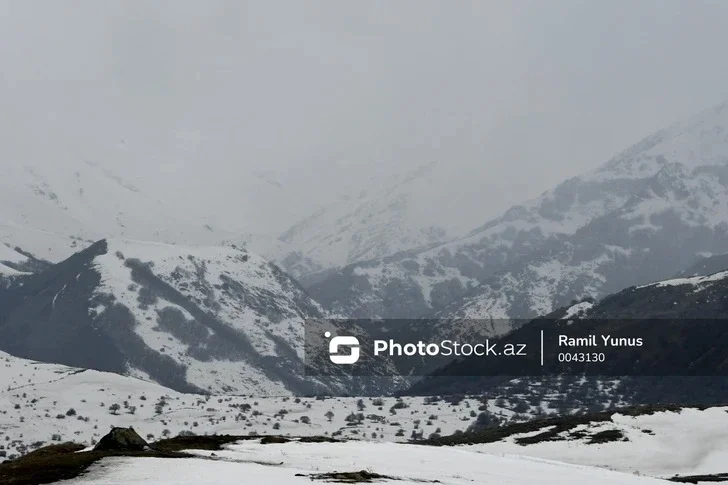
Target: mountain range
{"type": "Point", "coordinates": [649, 212]}
{"type": "Point", "coordinates": [682, 323]}
{"type": "Point", "coordinates": [387, 217]}
{"type": "Point", "coordinates": [97, 273]}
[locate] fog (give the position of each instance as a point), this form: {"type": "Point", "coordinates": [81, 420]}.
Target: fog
{"type": "Point", "coordinates": [266, 110]}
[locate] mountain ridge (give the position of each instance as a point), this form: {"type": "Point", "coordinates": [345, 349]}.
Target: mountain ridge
{"type": "Point", "coordinates": [194, 319]}
{"type": "Point", "coordinates": [589, 236]}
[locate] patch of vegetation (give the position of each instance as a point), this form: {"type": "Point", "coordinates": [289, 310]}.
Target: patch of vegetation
{"type": "Point", "coordinates": [607, 436]}
{"type": "Point", "coordinates": [272, 440]}
{"type": "Point", "coordinates": [217, 442]}
{"type": "Point", "coordinates": [362, 476]}
{"type": "Point", "coordinates": [210, 442]}
{"type": "Point", "coordinates": [317, 439]}
{"type": "Point", "coordinates": [61, 462]}
{"type": "Point", "coordinates": [718, 477]}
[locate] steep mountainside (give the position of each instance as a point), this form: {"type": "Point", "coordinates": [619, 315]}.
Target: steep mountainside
{"type": "Point", "coordinates": [205, 318]}
{"type": "Point", "coordinates": [695, 297]}
{"type": "Point", "coordinates": [645, 215]}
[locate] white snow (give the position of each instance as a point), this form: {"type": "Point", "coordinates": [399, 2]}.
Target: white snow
{"type": "Point", "coordinates": [8, 271]}
{"type": "Point", "coordinates": [576, 310]}
{"type": "Point", "coordinates": [37, 399]}
{"type": "Point", "coordinates": [9, 255]}
{"type": "Point", "coordinates": [408, 464]}
{"type": "Point", "coordinates": [696, 281]}
{"type": "Point", "coordinates": [689, 442]}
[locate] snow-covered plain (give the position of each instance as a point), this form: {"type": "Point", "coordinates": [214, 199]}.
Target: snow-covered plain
{"type": "Point", "coordinates": [664, 444]}
{"type": "Point", "coordinates": [41, 404]}
{"type": "Point", "coordinates": [295, 462]}
{"type": "Point", "coordinates": [44, 403]}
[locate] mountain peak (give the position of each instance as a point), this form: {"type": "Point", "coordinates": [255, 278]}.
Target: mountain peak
{"type": "Point", "coordinates": [701, 140]}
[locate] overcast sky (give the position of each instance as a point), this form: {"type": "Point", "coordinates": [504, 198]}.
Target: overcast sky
{"type": "Point", "coordinates": [512, 96]}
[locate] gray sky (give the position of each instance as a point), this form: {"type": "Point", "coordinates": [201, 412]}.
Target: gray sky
{"type": "Point", "coordinates": [512, 96]}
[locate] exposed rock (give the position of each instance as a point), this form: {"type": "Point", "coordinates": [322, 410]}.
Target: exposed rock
{"type": "Point", "coordinates": [122, 439]}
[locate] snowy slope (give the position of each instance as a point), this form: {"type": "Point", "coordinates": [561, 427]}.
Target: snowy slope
{"type": "Point", "coordinates": [663, 444]}
{"type": "Point", "coordinates": [292, 463]}
{"type": "Point", "coordinates": [36, 399]}
{"type": "Point", "coordinates": [46, 403]}
{"type": "Point", "coordinates": [701, 300]}
{"type": "Point", "coordinates": [55, 209]}
{"type": "Point", "coordinates": [389, 216]}
{"type": "Point", "coordinates": [44, 245]}
{"type": "Point", "coordinates": [697, 282]}
{"type": "Point", "coordinates": [10, 259]}
{"type": "Point", "coordinates": [209, 318]}
{"type": "Point", "coordinates": [644, 215]}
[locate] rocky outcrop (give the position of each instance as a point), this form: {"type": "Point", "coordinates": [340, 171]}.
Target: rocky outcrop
{"type": "Point", "coordinates": [122, 439]}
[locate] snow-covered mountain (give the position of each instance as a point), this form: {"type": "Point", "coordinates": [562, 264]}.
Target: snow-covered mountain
{"type": "Point", "coordinates": [191, 318]}
{"type": "Point", "coordinates": [646, 214]}
{"type": "Point", "coordinates": [691, 373]}
{"type": "Point", "coordinates": [53, 210]}
{"type": "Point", "coordinates": [390, 215]}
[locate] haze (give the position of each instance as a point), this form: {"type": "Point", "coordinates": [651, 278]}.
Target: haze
{"type": "Point", "coordinates": [264, 111]}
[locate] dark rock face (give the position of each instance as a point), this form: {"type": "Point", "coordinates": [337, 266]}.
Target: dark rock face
{"type": "Point", "coordinates": [35, 327]}
{"type": "Point", "coordinates": [122, 439]}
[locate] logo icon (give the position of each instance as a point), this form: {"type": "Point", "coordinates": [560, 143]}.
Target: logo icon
{"type": "Point", "coordinates": [343, 341]}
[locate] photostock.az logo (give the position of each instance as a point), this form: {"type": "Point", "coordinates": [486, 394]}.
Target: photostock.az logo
{"type": "Point", "coordinates": [343, 341]}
